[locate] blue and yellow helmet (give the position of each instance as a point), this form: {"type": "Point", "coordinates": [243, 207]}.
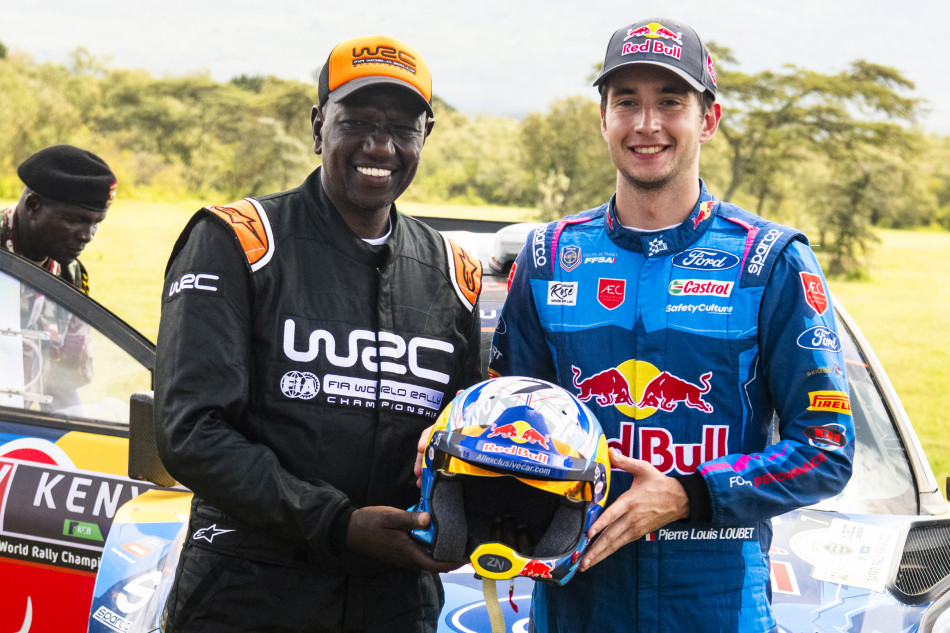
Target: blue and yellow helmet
{"type": "Point", "coordinates": [514, 474]}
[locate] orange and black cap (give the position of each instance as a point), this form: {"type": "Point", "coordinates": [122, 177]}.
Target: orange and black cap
{"type": "Point", "coordinates": [371, 60]}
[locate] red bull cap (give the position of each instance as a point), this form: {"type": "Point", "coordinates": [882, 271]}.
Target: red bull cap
{"type": "Point", "coordinates": [660, 42]}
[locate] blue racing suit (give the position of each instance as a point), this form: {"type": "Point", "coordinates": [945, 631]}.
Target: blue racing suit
{"type": "Point", "coordinates": [684, 342]}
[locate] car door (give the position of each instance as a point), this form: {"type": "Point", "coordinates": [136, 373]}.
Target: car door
{"type": "Point", "coordinates": [67, 370]}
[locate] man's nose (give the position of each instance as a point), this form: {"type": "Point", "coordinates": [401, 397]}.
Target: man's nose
{"type": "Point", "coordinates": [380, 142]}
{"type": "Point", "coordinates": [647, 119]}
{"type": "Point", "coordinates": [87, 232]}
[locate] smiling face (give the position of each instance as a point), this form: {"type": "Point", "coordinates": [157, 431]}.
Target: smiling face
{"type": "Point", "coordinates": [654, 125]}
{"type": "Point", "coordinates": [371, 144]}
{"type": "Point", "coordinates": [60, 231]}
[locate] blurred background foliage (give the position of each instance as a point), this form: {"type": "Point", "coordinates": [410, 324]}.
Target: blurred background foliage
{"type": "Point", "coordinates": [833, 154]}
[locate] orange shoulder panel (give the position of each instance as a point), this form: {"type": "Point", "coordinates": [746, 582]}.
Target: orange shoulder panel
{"type": "Point", "coordinates": [468, 273]}
{"type": "Point", "coordinates": [243, 218]}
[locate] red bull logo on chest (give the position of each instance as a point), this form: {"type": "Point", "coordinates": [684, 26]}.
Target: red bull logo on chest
{"type": "Point", "coordinates": [657, 446]}
{"type": "Point", "coordinates": [638, 389]}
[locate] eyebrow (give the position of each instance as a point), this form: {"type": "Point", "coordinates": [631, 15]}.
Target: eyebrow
{"type": "Point", "coordinates": [674, 89]}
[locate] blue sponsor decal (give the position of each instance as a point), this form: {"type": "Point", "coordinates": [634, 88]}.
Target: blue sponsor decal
{"type": "Point", "coordinates": [705, 259]}
{"type": "Point", "coordinates": [820, 338]}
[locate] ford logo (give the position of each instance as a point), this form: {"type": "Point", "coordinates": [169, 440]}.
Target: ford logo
{"type": "Point", "coordinates": [705, 259]}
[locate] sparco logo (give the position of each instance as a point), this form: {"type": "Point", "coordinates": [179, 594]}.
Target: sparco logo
{"type": "Point", "coordinates": [300, 384]}
{"type": "Point", "coordinates": [762, 251]}
{"type": "Point", "coordinates": [705, 259]}
{"type": "Point", "coordinates": [537, 246]}
{"type": "Point", "coordinates": [362, 348]}
{"type": "Point", "coordinates": [701, 287]}
{"type": "Point", "coordinates": [111, 619]}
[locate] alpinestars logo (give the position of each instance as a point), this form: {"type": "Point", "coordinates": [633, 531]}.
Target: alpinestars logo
{"type": "Point", "coordinates": [208, 533]}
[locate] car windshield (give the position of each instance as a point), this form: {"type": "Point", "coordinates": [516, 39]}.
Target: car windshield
{"type": "Point", "coordinates": [54, 363]}
{"type": "Point", "coordinates": [881, 480]}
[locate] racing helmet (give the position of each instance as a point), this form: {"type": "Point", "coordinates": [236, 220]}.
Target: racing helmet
{"type": "Point", "coordinates": [515, 472]}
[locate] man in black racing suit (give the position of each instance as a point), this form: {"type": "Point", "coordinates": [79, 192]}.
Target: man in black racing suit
{"type": "Point", "coordinates": [306, 339]}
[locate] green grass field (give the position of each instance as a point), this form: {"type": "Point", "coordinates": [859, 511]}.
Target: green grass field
{"type": "Point", "coordinates": [903, 310]}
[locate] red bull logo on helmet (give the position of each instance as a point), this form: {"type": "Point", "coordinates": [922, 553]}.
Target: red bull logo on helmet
{"type": "Point", "coordinates": [638, 389]}
{"type": "Point", "coordinates": [519, 432]}
{"type": "Point", "coordinates": [537, 569]}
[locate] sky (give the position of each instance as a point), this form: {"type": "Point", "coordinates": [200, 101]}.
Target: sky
{"type": "Point", "coordinates": [488, 57]}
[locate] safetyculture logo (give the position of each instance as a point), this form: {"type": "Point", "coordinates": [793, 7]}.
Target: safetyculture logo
{"type": "Point", "coordinates": [638, 389]}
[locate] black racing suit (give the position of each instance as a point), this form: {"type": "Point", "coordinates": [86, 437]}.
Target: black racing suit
{"type": "Point", "coordinates": [297, 367]}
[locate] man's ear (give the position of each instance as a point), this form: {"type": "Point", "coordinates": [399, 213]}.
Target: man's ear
{"type": "Point", "coordinates": [710, 122]}
{"type": "Point", "coordinates": [31, 204]}
{"type": "Point", "coordinates": [430, 123]}
{"type": "Point", "coordinates": [316, 121]}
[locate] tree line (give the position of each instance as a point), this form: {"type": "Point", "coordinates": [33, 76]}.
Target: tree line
{"type": "Point", "coordinates": [834, 154]}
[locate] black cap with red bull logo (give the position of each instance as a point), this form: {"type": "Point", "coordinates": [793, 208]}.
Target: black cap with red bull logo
{"type": "Point", "coordinates": [660, 42]}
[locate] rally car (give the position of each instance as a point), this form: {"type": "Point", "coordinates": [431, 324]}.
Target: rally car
{"type": "Point", "coordinates": [91, 524]}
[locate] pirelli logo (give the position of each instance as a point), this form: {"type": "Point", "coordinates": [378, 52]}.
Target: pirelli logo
{"type": "Point", "coordinates": [834, 401]}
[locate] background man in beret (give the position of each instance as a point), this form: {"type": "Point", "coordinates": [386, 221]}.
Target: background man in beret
{"type": "Point", "coordinates": [68, 191]}
{"type": "Point", "coordinates": [307, 337]}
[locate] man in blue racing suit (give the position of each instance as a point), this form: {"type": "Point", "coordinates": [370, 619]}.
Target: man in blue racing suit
{"type": "Point", "coordinates": [685, 323]}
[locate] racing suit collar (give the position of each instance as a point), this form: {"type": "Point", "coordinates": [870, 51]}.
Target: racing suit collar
{"type": "Point", "coordinates": [672, 240]}
{"type": "Point", "coordinates": [357, 248]}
